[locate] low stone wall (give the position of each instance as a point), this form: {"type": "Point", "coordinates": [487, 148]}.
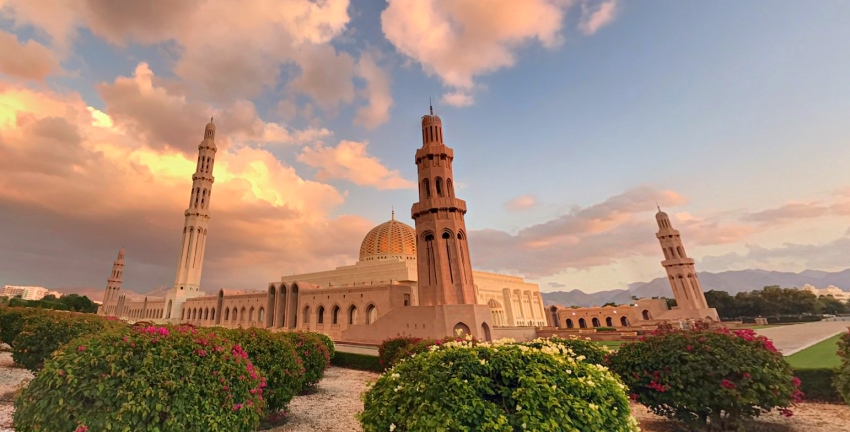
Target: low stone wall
{"type": "Point", "coordinates": [519, 334]}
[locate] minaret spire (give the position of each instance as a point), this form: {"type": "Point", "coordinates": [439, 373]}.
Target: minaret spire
{"type": "Point", "coordinates": [445, 272]}
{"type": "Point", "coordinates": [113, 285]}
{"type": "Point", "coordinates": [430, 105]}
{"type": "Point", "coordinates": [680, 269]}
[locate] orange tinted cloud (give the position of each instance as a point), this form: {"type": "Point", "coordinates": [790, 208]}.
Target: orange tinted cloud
{"type": "Point", "coordinates": [350, 161]}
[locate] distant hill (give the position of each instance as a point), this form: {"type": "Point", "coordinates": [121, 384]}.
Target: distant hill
{"type": "Point", "coordinates": [732, 282]}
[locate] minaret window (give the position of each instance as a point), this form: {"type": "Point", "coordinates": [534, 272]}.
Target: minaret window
{"type": "Point", "coordinates": [681, 251]}
{"type": "Point", "coordinates": [439, 186]}
{"type": "Point", "coordinates": [666, 255]}
{"type": "Point", "coordinates": [449, 188]}
{"type": "Point", "coordinates": [197, 196]}
{"type": "Point", "coordinates": [203, 198]}
{"type": "Point", "coordinates": [426, 188]}
{"type": "Point", "coordinates": [447, 237]}
{"type": "Point", "coordinates": [429, 248]}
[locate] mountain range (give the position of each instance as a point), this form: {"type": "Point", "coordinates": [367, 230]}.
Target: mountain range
{"type": "Point", "coordinates": [732, 282]}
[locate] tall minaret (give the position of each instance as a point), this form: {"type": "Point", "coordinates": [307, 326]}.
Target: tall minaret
{"type": "Point", "coordinates": [113, 285]}
{"type": "Point", "coordinates": [445, 273]}
{"type": "Point", "coordinates": [197, 217]}
{"type": "Point", "coordinates": [680, 269]}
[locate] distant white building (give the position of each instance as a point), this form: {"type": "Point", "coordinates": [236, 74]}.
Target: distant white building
{"type": "Point", "coordinates": [25, 292]}
{"type": "Point", "coordinates": [831, 290]}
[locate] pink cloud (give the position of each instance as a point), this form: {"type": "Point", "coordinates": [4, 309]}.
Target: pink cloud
{"type": "Point", "coordinates": [593, 19]}
{"type": "Point", "coordinates": [28, 61]}
{"type": "Point", "coordinates": [350, 161]}
{"type": "Point", "coordinates": [521, 202]}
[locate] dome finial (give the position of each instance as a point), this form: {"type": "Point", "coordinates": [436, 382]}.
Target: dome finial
{"type": "Point", "coordinates": [656, 205]}
{"type": "Point", "coordinates": [393, 212]}
{"type": "Point", "coordinates": [430, 105]}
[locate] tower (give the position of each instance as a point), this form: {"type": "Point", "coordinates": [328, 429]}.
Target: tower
{"type": "Point", "coordinates": [187, 283]}
{"type": "Point", "coordinates": [445, 272]}
{"type": "Point", "coordinates": [680, 269]}
{"type": "Point", "coordinates": [113, 285]}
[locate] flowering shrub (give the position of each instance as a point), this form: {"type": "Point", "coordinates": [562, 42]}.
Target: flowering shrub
{"type": "Point", "coordinates": [12, 322]}
{"type": "Point", "coordinates": [395, 348]}
{"type": "Point", "coordinates": [496, 387]}
{"type": "Point", "coordinates": [842, 378]}
{"type": "Point", "coordinates": [45, 331]}
{"type": "Point", "coordinates": [581, 349]}
{"type": "Point", "coordinates": [314, 354]}
{"type": "Point", "coordinates": [275, 357]}
{"type": "Point", "coordinates": [150, 379]}
{"type": "Point", "coordinates": [717, 378]}
{"type": "Point", "coordinates": [329, 343]}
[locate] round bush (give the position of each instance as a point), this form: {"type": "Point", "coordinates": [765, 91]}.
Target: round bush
{"type": "Point", "coordinates": [151, 379]}
{"type": "Point", "coordinates": [390, 349]}
{"type": "Point", "coordinates": [581, 349]}
{"type": "Point", "coordinates": [314, 355]}
{"type": "Point", "coordinates": [46, 331]}
{"type": "Point", "coordinates": [12, 322]}
{"type": "Point", "coordinates": [496, 387]}
{"type": "Point", "coordinates": [329, 343]}
{"type": "Point", "coordinates": [842, 378]}
{"type": "Point", "coordinates": [276, 358]}
{"type": "Point", "coordinates": [718, 378]}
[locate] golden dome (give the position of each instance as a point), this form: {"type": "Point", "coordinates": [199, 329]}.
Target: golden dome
{"type": "Point", "coordinates": [389, 239]}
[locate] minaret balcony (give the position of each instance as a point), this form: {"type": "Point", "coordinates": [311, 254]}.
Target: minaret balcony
{"type": "Point", "coordinates": [677, 262]}
{"type": "Point", "coordinates": [438, 203]}
{"type": "Point", "coordinates": [435, 149]}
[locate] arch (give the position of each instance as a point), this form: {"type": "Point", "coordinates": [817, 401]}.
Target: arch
{"type": "Point", "coordinates": [182, 314]}
{"type": "Point", "coordinates": [280, 309]}
{"type": "Point", "coordinates": [553, 312]}
{"type": "Point", "coordinates": [271, 305]}
{"type": "Point", "coordinates": [461, 329]}
{"type": "Point", "coordinates": [320, 315]}
{"type": "Point", "coordinates": [226, 314]}
{"type": "Point", "coordinates": [194, 313]}
{"type": "Point", "coordinates": [251, 314]}
{"type": "Point", "coordinates": [666, 255]}
{"type": "Point", "coordinates": [582, 323]}
{"type": "Point", "coordinates": [646, 315]}
{"type": "Point", "coordinates": [306, 315]}
{"type": "Point", "coordinates": [569, 323]}
{"type": "Point", "coordinates": [261, 314]}
{"type": "Point", "coordinates": [624, 321]}
{"type": "Point", "coordinates": [206, 314]}
{"type": "Point", "coordinates": [681, 252]}
{"type": "Point", "coordinates": [168, 310]}
{"type": "Point", "coordinates": [450, 190]}
{"type": "Point", "coordinates": [595, 322]}
{"type": "Point", "coordinates": [672, 252]}
{"type": "Point", "coordinates": [335, 315]}
{"type": "Point", "coordinates": [292, 312]}
{"type": "Point", "coordinates": [371, 314]}
{"type": "Point", "coordinates": [352, 315]}
{"type": "Point", "coordinates": [609, 322]}
{"type": "Point", "coordinates": [426, 188]}
{"type": "Point", "coordinates": [485, 332]}
{"type": "Point", "coordinates": [438, 186]}
{"type": "Point", "coordinates": [684, 288]}
{"type": "Point", "coordinates": [242, 314]}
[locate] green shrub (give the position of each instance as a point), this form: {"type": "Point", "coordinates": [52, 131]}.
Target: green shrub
{"type": "Point", "coordinates": [393, 348]}
{"type": "Point", "coordinates": [149, 379]}
{"type": "Point", "coordinates": [701, 377]}
{"type": "Point", "coordinates": [817, 384]}
{"type": "Point", "coordinates": [496, 388]}
{"type": "Point", "coordinates": [605, 329]}
{"type": "Point", "coordinates": [329, 343]}
{"type": "Point", "coordinates": [274, 356]}
{"type": "Point", "coordinates": [12, 322]}
{"type": "Point", "coordinates": [314, 355]}
{"type": "Point", "coordinates": [581, 349]}
{"type": "Point", "coordinates": [357, 361]}
{"type": "Point", "coordinates": [842, 379]}
{"type": "Point", "coordinates": [46, 331]}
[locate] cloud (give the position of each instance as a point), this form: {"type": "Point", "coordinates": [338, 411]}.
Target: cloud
{"type": "Point", "coordinates": [458, 40]}
{"type": "Point", "coordinates": [350, 161]}
{"type": "Point", "coordinates": [522, 202]}
{"type": "Point", "coordinates": [557, 285]}
{"type": "Point", "coordinates": [377, 93]}
{"type": "Point", "coordinates": [831, 255]}
{"type": "Point", "coordinates": [162, 118]}
{"type": "Point", "coordinates": [74, 179]}
{"type": "Point", "coordinates": [620, 227]}
{"type": "Point", "coordinates": [592, 19]}
{"type": "Point", "coordinates": [30, 61]}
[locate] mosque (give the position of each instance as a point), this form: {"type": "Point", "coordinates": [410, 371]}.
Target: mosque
{"type": "Point", "coordinates": [408, 280]}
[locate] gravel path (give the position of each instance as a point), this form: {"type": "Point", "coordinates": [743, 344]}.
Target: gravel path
{"type": "Point", "coordinates": [333, 406]}
{"type": "Point", "coordinates": [10, 377]}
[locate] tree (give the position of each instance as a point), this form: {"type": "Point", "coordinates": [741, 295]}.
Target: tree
{"type": "Point", "coordinates": [610, 304]}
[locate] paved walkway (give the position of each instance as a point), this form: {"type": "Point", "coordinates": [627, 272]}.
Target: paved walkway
{"type": "Point", "coordinates": [357, 349]}
{"type": "Point", "coordinates": [789, 339]}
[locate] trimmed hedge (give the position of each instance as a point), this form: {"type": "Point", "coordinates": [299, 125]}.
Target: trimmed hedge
{"type": "Point", "coordinates": [817, 385]}
{"type": "Point", "coordinates": [314, 354]}
{"type": "Point", "coordinates": [12, 321]}
{"type": "Point", "coordinates": [842, 377]}
{"type": "Point", "coordinates": [362, 362]}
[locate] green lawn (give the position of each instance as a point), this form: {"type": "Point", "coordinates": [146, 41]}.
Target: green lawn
{"type": "Point", "coordinates": [820, 355]}
{"type": "Point", "coordinates": [612, 345]}
{"type": "Point", "coordinates": [757, 327]}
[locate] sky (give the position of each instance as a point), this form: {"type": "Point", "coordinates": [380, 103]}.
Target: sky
{"type": "Point", "coordinates": [570, 120]}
